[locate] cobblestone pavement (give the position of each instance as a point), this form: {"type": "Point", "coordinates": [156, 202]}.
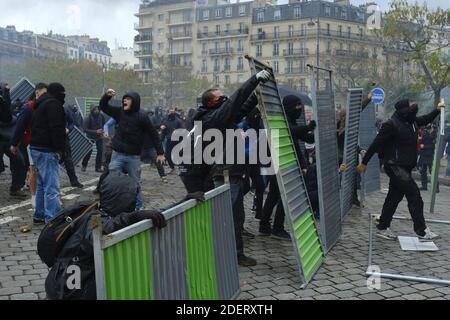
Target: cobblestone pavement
{"type": "Point", "coordinates": [342, 275]}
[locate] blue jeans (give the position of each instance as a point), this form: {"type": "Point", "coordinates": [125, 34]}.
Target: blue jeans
{"type": "Point", "coordinates": [47, 194]}
{"type": "Point", "coordinates": [131, 165]}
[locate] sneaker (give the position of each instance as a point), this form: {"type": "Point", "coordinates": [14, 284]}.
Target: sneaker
{"type": "Point", "coordinates": [429, 235]}
{"type": "Point", "coordinates": [77, 184]}
{"type": "Point", "coordinates": [38, 221]}
{"type": "Point", "coordinates": [246, 261]}
{"type": "Point", "coordinates": [386, 234]}
{"type": "Point", "coordinates": [164, 179]}
{"type": "Point", "coordinates": [19, 194]}
{"type": "Point", "coordinates": [247, 234]}
{"type": "Point", "coordinates": [83, 169]}
{"type": "Point", "coordinates": [282, 235]}
{"type": "Point", "coordinates": [265, 230]}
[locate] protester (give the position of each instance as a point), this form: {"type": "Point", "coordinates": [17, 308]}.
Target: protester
{"type": "Point", "coordinates": [168, 126]}
{"type": "Point", "coordinates": [93, 126]}
{"type": "Point", "coordinates": [397, 144]}
{"type": "Point", "coordinates": [427, 144]}
{"type": "Point", "coordinates": [68, 162]}
{"type": "Point", "coordinates": [17, 163]}
{"type": "Point", "coordinates": [127, 142]}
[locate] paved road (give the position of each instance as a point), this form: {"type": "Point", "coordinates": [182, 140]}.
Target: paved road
{"type": "Point", "coordinates": [342, 276]}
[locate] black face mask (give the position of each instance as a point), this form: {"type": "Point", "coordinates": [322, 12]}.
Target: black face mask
{"type": "Point", "coordinates": [414, 109]}
{"type": "Point", "coordinates": [61, 97]}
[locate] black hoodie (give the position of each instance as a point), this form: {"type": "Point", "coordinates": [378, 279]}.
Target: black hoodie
{"type": "Point", "coordinates": [48, 125]}
{"type": "Point", "coordinates": [132, 125]}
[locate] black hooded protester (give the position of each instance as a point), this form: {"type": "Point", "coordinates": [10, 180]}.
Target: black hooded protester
{"type": "Point", "coordinates": [222, 113]}
{"type": "Point", "coordinates": [427, 143]}
{"type": "Point", "coordinates": [117, 210]}
{"type": "Point", "coordinates": [93, 126]}
{"type": "Point", "coordinates": [17, 163]}
{"type": "Point", "coordinates": [168, 126]}
{"type": "Point", "coordinates": [293, 108]}
{"type": "Point", "coordinates": [127, 143]}
{"type": "Point", "coordinates": [396, 144]}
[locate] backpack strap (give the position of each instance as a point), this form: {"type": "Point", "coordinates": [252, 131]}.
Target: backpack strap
{"type": "Point", "coordinates": [72, 222]}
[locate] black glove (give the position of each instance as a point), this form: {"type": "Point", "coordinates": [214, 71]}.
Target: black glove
{"type": "Point", "coordinates": [199, 196]}
{"type": "Point", "coordinates": [156, 216]}
{"type": "Point", "coordinates": [312, 125]}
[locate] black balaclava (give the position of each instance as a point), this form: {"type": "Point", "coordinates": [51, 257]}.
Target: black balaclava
{"type": "Point", "coordinates": [405, 111]}
{"type": "Point", "coordinates": [290, 107]}
{"type": "Point", "coordinates": [57, 91]}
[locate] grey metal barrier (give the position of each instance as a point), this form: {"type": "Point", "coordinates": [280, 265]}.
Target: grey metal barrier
{"type": "Point", "coordinates": [80, 145]}
{"type": "Point", "coordinates": [194, 257]}
{"type": "Point", "coordinates": [22, 90]}
{"type": "Point", "coordinates": [352, 120]}
{"type": "Point", "coordinates": [327, 161]}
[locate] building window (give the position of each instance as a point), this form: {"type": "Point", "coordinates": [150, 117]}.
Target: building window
{"type": "Point", "coordinates": [227, 64]}
{"type": "Point", "coordinates": [290, 67]}
{"type": "Point", "coordinates": [302, 65]}
{"type": "Point", "coordinates": [277, 14]}
{"type": "Point", "coordinates": [242, 28]}
{"type": "Point", "coordinates": [228, 12]}
{"type": "Point", "coordinates": [291, 30]}
{"type": "Point", "coordinates": [258, 50]}
{"type": "Point", "coordinates": [205, 30]}
{"type": "Point", "coordinates": [276, 67]}
{"type": "Point", "coordinates": [242, 10]}
{"type": "Point", "coordinates": [240, 64]}
{"type": "Point", "coordinates": [303, 29]}
{"type": "Point", "coordinates": [228, 28]}
{"type": "Point", "coordinates": [205, 14]}
{"type": "Point", "coordinates": [204, 48]}
{"type": "Point", "coordinates": [228, 46]}
{"type": "Point", "coordinates": [290, 48]}
{"type": "Point", "coordinates": [227, 79]}
{"type": "Point", "coordinates": [276, 32]}
{"type": "Point", "coordinates": [328, 46]}
{"type": "Point", "coordinates": [327, 11]}
{"type": "Point", "coordinates": [161, 17]}
{"type": "Point", "coordinates": [216, 81]}
{"type": "Point", "coordinates": [241, 45]}
{"type": "Point", "coordinates": [204, 65]}
{"type": "Point", "coordinates": [218, 13]}
{"type": "Point", "coordinates": [328, 29]}
{"type": "Point", "coordinates": [349, 31]}
{"type": "Point", "coordinates": [276, 49]}
{"type": "Point", "coordinates": [297, 12]}
{"type": "Point", "coordinates": [340, 31]}
{"type": "Point", "coordinates": [344, 13]}
{"type": "Point", "coordinates": [260, 16]}
{"type": "Point", "coordinates": [216, 65]}
{"type": "Point", "coordinates": [218, 29]}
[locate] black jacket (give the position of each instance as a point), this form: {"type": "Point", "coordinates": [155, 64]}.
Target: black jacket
{"type": "Point", "coordinates": [6, 118]}
{"type": "Point", "coordinates": [427, 153]}
{"type": "Point", "coordinates": [92, 124]}
{"type": "Point", "coordinates": [48, 125]}
{"type": "Point", "coordinates": [171, 124]}
{"type": "Point", "coordinates": [227, 116]}
{"type": "Point", "coordinates": [131, 127]}
{"type": "Point", "coordinates": [397, 140]}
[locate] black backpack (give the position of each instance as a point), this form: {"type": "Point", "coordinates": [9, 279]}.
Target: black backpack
{"type": "Point", "coordinates": [56, 232]}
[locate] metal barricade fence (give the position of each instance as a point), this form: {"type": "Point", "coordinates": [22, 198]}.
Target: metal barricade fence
{"type": "Point", "coordinates": [22, 90]}
{"type": "Point", "coordinates": [327, 162]}
{"type": "Point", "coordinates": [193, 258]}
{"type": "Point", "coordinates": [80, 145]}
{"type": "Point", "coordinates": [348, 181]}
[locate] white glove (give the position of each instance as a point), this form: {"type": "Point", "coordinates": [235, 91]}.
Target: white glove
{"type": "Point", "coordinates": [263, 76]}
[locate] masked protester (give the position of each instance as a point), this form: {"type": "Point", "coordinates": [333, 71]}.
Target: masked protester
{"type": "Point", "coordinates": [48, 144]}
{"type": "Point", "coordinates": [427, 143]}
{"type": "Point", "coordinates": [116, 208]}
{"type": "Point", "coordinates": [127, 143]}
{"type": "Point", "coordinates": [168, 126]}
{"type": "Point", "coordinates": [397, 145]}
{"type": "Point", "coordinates": [93, 126]}
{"type": "Point", "coordinates": [222, 113]}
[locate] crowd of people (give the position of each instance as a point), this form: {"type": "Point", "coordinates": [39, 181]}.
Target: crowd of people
{"type": "Point", "coordinates": [34, 136]}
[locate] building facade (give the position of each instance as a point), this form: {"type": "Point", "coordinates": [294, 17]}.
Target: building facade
{"type": "Point", "coordinates": [17, 44]}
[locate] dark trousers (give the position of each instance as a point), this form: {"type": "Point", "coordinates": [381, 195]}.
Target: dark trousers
{"type": "Point", "coordinates": [273, 199]}
{"type": "Point", "coordinates": [149, 156]}
{"type": "Point", "coordinates": [17, 166]}
{"type": "Point", "coordinates": [426, 168]}
{"type": "Point", "coordinates": [402, 184]}
{"type": "Point", "coordinates": [237, 200]}
{"type": "Point", "coordinates": [68, 164]}
{"type": "Point", "coordinates": [108, 154]}
{"type": "Point", "coordinates": [254, 175]}
{"type": "Point", "coordinates": [168, 152]}
{"type": "Point", "coordinates": [2, 164]}
{"type": "Point", "coordinates": [98, 158]}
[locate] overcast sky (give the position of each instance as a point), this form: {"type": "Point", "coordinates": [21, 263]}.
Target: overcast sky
{"type": "Point", "coordinates": [108, 20]}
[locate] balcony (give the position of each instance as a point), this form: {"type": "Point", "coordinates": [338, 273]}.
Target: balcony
{"type": "Point", "coordinates": [295, 70]}
{"type": "Point", "coordinates": [139, 26]}
{"type": "Point", "coordinates": [352, 54]}
{"type": "Point", "coordinates": [143, 53]}
{"type": "Point", "coordinates": [180, 35]}
{"type": "Point", "coordinates": [226, 33]}
{"type": "Point", "coordinates": [178, 53]}
{"type": "Point", "coordinates": [296, 52]}
{"type": "Point", "coordinates": [264, 36]}
{"type": "Point", "coordinates": [221, 51]}
{"type": "Point", "coordinates": [178, 22]}
{"type": "Point", "coordinates": [143, 38]}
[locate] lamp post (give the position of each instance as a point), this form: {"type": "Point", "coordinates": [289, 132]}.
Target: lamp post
{"type": "Point", "coordinates": [170, 100]}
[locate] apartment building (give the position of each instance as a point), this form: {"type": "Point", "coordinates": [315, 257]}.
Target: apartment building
{"type": "Point", "coordinates": [17, 44]}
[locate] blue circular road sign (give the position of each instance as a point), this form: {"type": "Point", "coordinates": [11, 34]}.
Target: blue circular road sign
{"type": "Point", "coordinates": [378, 96]}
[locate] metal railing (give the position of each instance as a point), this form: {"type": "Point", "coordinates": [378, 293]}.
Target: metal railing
{"type": "Point", "coordinates": [295, 70]}
{"type": "Point", "coordinates": [310, 33]}
{"type": "Point", "coordinates": [140, 38]}
{"type": "Point", "coordinates": [296, 52]}
{"type": "Point", "coordinates": [225, 33]}
{"type": "Point", "coordinates": [219, 51]}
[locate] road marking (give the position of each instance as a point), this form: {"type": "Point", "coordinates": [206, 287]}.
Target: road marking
{"type": "Point", "coordinates": [8, 219]}
{"type": "Point", "coordinates": [28, 202]}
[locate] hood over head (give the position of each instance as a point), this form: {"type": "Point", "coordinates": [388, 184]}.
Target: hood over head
{"type": "Point", "coordinates": [117, 193]}
{"type": "Point", "coordinates": [136, 98]}
{"type": "Point", "coordinates": [57, 91]}
{"type": "Point", "coordinates": [290, 107]}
